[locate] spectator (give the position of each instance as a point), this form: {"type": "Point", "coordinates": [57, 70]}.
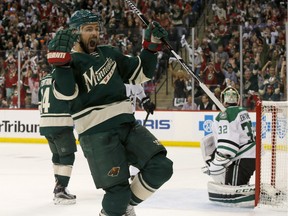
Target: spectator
{"type": "Point", "coordinates": [10, 77]}
{"type": "Point", "coordinates": [270, 94]}
{"type": "Point", "coordinates": [250, 88]}
{"type": "Point", "coordinates": [3, 101]}
{"type": "Point", "coordinates": [210, 76]}
{"type": "Point", "coordinates": [180, 89]}
{"type": "Point", "coordinates": [189, 104]}
{"type": "Point", "coordinates": [283, 83]}
{"type": "Point", "coordinates": [34, 87]}
{"type": "Point", "coordinates": [206, 104]}
{"type": "Point", "coordinates": [229, 74]}
{"type": "Point", "coordinates": [217, 93]}
{"type": "Point", "coordinates": [221, 57]}
{"type": "Point", "coordinates": [176, 14]}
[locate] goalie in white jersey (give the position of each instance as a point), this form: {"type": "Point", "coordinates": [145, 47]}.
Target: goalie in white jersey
{"type": "Point", "coordinates": [229, 153]}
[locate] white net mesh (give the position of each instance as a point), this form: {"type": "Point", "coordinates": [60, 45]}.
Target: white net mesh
{"type": "Point", "coordinates": [274, 156]}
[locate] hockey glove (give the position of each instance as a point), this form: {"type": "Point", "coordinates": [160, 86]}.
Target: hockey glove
{"type": "Point", "coordinates": [218, 165]}
{"type": "Point", "coordinates": [60, 46]}
{"type": "Point", "coordinates": [152, 37]}
{"type": "Point", "coordinates": [148, 106]}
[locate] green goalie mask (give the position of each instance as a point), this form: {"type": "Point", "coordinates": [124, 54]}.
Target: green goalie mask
{"type": "Point", "coordinates": [83, 17]}
{"type": "Point", "coordinates": [230, 96]}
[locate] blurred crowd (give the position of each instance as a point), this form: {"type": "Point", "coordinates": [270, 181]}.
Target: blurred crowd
{"type": "Point", "coordinates": [217, 54]}
{"type": "Point", "coordinates": [26, 27]}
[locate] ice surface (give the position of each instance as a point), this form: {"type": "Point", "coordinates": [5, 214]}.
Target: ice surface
{"type": "Point", "coordinates": [27, 182]}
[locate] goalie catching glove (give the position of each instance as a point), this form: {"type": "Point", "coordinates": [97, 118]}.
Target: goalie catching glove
{"type": "Point", "coordinates": [148, 106]}
{"type": "Point", "coordinates": [153, 35]}
{"type": "Point", "coordinates": [60, 46]}
{"type": "Point", "coordinates": [217, 166]}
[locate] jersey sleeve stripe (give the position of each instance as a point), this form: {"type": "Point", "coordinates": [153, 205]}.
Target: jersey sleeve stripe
{"type": "Point", "coordinates": [138, 76]}
{"type": "Point", "coordinates": [60, 96]}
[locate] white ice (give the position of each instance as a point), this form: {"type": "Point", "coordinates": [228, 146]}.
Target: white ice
{"type": "Point", "coordinates": [27, 182]}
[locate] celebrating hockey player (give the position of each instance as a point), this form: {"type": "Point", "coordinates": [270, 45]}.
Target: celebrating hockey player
{"type": "Point", "coordinates": [56, 124]}
{"type": "Point", "coordinates": [229, 153]}
{"type": "Point", "coordinates": [91, 77]}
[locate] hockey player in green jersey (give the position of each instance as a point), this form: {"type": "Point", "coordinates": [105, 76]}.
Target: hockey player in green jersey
{"type": "Point", "coordinates": [56, 124]}
{"type": "Point", "coordinates": [91, 77]}
{"type": "Point", "coordinates": [231, 160]}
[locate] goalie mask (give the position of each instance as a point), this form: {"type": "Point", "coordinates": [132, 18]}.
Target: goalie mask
{"type": "Point", "coordinates": [230, 96]}
{"type": "Point", "coordinates": [83, 17]}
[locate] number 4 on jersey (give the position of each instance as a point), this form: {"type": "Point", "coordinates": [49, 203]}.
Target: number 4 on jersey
{"type": "Point", "coordinates": [45, 104]}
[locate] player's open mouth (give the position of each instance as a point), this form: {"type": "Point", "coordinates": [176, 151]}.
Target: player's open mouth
{"type": "Point", "coordinates": [92, 43]}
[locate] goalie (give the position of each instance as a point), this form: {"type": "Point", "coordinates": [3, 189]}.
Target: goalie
{"type": "Point", "coordinates": [229, 153]}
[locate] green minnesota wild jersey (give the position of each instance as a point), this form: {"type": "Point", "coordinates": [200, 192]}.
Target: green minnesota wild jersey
{"type": "Point", "coordinates": [54, 113]}
{"type": "Point", "coordinates": [233, 133]}
{"type": "Point", "coordinates": [94, 85]}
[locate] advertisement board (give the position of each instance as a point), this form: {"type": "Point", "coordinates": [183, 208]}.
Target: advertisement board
{"type": "Point", "coordinates": [172, 128]}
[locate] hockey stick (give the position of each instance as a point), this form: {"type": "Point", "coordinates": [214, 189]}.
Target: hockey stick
{"type": "Point", "coordinates": [179, 59]}
{"type": "Point", "coordinates": [146, 118]}
{"type": "Point", "coordinates": [62, 5]}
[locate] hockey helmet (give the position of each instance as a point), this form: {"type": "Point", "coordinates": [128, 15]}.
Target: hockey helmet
{"type": "Point", "coordinates": [82, 17]}
{"type": "Point", "coordinates": [230, 96]}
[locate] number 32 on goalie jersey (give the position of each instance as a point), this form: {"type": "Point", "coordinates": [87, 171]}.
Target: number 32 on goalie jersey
{"type": "Point", "coordinates": [233, 126]}
{"type": "Point", "coordinates": [246, 126]}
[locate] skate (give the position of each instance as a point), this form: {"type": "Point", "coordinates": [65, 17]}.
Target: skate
{"type": "Point", "coordinates": [62, 196]}
{"type": "Point", "coordinates": [129, 212]}
{"type": "Point", "coordinates": [103, 213]}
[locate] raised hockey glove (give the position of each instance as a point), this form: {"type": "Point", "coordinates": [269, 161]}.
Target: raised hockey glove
{"type": "Point", "coordinates": [148, 106]}
{"type": "Point", "coordinates": [60, 46]}
{"type": "Point", "coordinates": [218, 165]}
{"type": "Point", "coordinates": [153, 35]}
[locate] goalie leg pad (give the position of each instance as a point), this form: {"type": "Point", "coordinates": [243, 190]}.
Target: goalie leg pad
{"type": "Point", "coordinates": [233, 196]}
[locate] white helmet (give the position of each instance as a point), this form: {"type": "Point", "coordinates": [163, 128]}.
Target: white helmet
{"type": "Point", "coordinates": [230, 96]}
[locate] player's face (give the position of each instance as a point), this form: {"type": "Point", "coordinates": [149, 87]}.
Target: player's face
{"type": "Point", "coordinates": [90, 36]}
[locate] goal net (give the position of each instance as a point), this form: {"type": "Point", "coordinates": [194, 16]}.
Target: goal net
{"type": "Point", "coordinates": [271, 182]}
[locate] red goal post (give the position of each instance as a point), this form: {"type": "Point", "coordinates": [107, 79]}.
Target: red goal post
{"type": "Point", "coordinates": [271, 177]}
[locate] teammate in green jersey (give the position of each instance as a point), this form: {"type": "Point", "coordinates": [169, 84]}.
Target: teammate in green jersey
{"type": "Point", "coordinates": [91, 77]}
{"type": "Point", "coordinates": [56, 124]}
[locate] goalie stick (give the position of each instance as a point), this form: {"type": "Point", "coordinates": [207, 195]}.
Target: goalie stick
{"type": "Point", "coordinates": [179, 59]}
{"type": "Point", "coordinates": [62, 5]}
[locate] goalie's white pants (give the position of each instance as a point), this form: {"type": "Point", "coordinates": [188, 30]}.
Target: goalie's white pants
{"type": "Point", "coordinates": [227, 195]}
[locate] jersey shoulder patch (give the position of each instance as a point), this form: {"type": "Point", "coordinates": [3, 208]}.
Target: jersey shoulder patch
{"type": "Point", "coordinates": [230, 114]}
